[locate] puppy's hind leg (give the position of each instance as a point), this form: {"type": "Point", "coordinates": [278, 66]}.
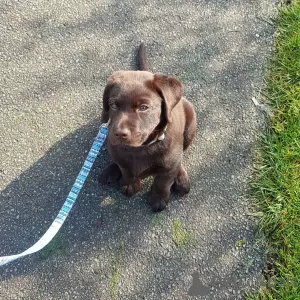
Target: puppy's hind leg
{"type": "Point", "coordinates": [181, 183]}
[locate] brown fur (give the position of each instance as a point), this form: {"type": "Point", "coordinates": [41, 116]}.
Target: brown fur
{"type": "Point", "coordinates": [140, 106]}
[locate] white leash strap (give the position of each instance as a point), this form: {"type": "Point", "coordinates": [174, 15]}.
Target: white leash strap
{"type": "Point", "coordinates": [68, 204]}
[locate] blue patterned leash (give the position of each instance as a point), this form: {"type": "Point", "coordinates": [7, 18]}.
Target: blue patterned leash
{"type": "Point", "coordinates": [70, 201]}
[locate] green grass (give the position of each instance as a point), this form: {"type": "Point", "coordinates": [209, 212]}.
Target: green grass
{"type": "Point", "coordinates": [113, 281]}
{"type": "Point", "coordinates": [179, 236]}
{"type": "Point", "coordinates": [240, 243]}
{"type": "Point", "coordinates": [276, 183]}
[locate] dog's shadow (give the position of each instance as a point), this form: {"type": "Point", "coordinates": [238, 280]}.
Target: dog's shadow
{"type": "Point", "coordinates": [197, 288]}
{"type": "Point", "coordinates": [29, 204]}
{"type": "Point", "coordinates": [31, 201]}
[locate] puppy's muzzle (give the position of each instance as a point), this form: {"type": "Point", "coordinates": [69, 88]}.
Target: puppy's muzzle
{"type": "Point", "coordinates": [122, 134]}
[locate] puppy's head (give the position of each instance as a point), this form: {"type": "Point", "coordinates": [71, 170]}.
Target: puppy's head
{"type": "Point", "coordinates": [139, 104]}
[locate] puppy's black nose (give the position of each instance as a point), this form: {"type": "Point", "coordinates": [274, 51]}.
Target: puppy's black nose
{"type": "Point", "coordinates": [122, 133]}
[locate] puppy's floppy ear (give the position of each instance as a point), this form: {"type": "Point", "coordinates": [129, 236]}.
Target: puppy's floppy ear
{"type": "Point", "coordinates": [105, 109]}
{"type": "Point", "coordinates": [106, 95]}
{"type": "Point", "coordinates": [170, 90]}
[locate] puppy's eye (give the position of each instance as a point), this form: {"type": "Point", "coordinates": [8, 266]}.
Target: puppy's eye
{"type": "Point", "coordinates": [143, 107]}
{"type": "Point", "coordinates": [113, 106]}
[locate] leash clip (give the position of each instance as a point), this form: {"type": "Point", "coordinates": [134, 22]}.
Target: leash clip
{"type": "Point", "coordinates": [105, 125]}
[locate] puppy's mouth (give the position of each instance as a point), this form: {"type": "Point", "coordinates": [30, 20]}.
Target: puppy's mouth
{"type": "Point", "coordinates": [136, 140]}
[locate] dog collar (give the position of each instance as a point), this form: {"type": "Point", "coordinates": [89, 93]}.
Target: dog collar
{"type": "Point", "coordinates": [160, 137]}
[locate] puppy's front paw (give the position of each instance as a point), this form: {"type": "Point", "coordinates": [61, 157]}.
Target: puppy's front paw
{"type": "Point", "coordinates": [111, 174]}
{"type": "Point", "coordinates": [131, 189]}
{"type": "Point", "coordinates": [156, 203]}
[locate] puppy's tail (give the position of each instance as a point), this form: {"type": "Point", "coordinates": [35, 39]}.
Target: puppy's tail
{"type": "Point", "coordinates": [143, 63]}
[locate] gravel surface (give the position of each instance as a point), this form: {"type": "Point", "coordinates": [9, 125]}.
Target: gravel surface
{"type": "Point", "coordinates": [55, 57]}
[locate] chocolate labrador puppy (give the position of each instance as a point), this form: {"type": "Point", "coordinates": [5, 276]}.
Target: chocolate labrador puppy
{"type": "Point", "coordinates": [151, 124]}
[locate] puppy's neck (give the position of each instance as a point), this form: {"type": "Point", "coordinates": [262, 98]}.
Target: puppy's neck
{"type": "Point", "coordinates": [156, 136]}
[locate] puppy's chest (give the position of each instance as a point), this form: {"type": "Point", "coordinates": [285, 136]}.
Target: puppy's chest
{"type": "Point", "coordinates": [139, 164]}
{"type": "Point", "coordinates": [142, 165]}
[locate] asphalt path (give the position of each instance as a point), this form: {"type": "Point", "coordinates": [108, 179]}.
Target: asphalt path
{"type": "Point", "coordinates": [55, 57]}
